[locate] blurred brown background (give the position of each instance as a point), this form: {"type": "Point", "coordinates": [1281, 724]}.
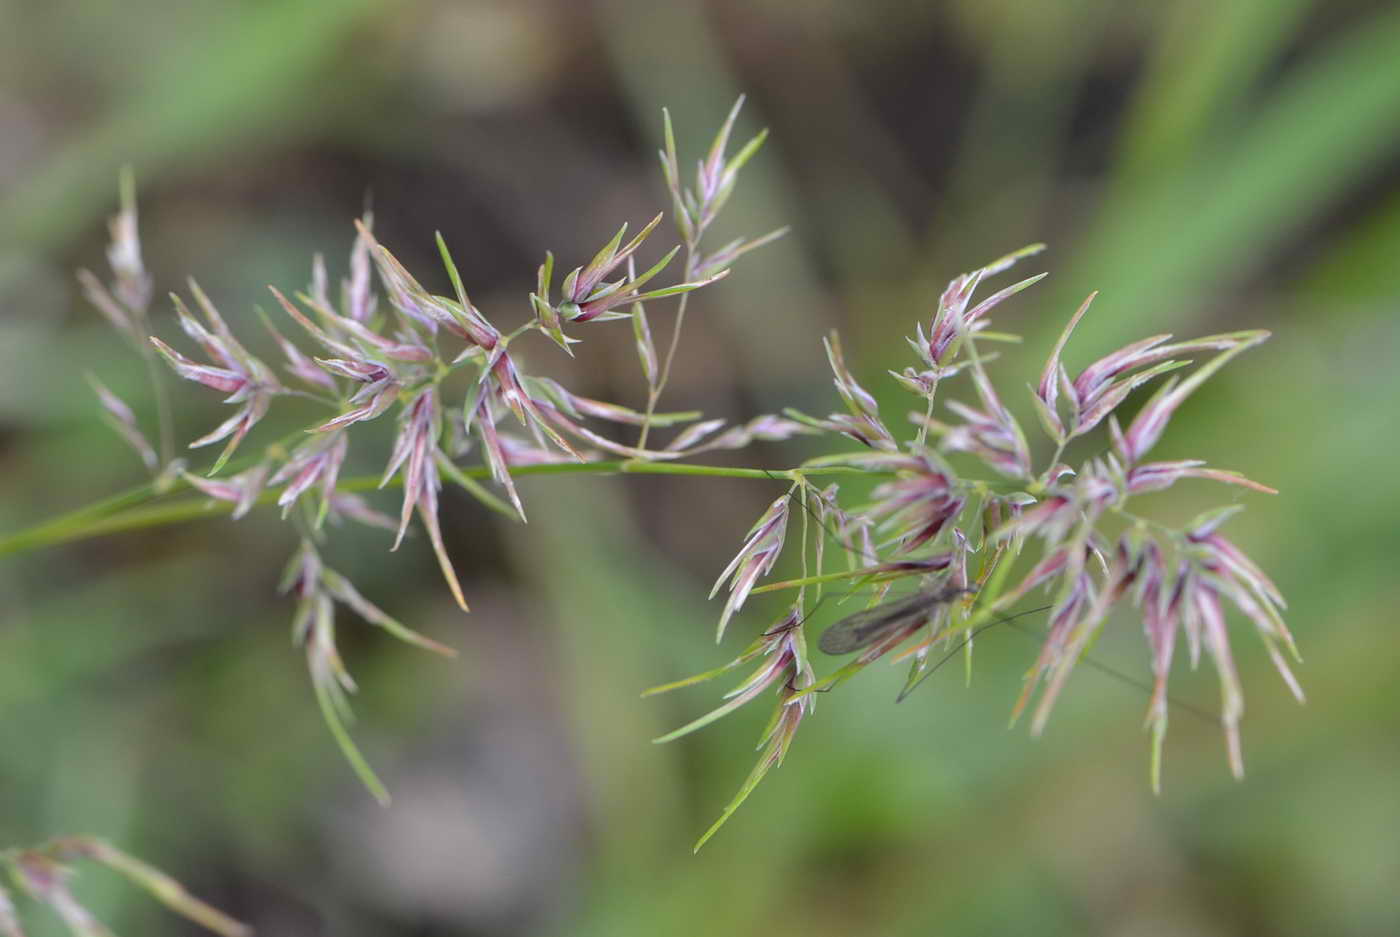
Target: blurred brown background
{"type": "Point", "coordinates": [1207, 166]}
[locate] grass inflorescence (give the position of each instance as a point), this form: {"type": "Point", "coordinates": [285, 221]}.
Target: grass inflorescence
{"type": "Point", "coordinates": [969, 508]}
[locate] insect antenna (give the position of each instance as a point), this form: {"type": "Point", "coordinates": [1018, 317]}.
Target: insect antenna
{"type": "Point", "coordinates": [781, 626]}
{"type": "Point", "coordinates": [962, 643]}
{"type": "Point", "coordinates": [1124, 678]}
{"type": "Point", "coordinates": [1129, 680]}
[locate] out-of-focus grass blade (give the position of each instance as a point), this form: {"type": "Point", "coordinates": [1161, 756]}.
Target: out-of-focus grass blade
{"type": "Point", "coordinates": [1164, 246]}
{"type": "Point", "coordinates": [1206, 60]}
{"type": "Point", "coordinates": [249, 83]}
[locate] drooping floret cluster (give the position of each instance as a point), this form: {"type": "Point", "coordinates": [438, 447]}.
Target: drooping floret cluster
{"type": "Point", "coordinates": [446, 371]}
{"type": "Point", "coordinates": [962, 538]}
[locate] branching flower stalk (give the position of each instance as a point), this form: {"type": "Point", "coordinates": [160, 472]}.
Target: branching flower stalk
{"type": "Point", "coordinates": [958, 538]}
{"type": "Point", "coordinates": [125, 303]}
{"type": "Point", "coordinates": [968, 509]}
{"type": "Point", "coordinates": [371, 349]}
{"type": "Point", "coordinates": [42, 874]}
{"type": "Point", "coordinates": [693, 211]}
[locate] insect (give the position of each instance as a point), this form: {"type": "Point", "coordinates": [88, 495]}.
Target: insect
{"type": "Point", "coordinates": [873, 625]}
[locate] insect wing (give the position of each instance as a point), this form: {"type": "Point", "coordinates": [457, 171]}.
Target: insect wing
{"type": "Point", "coordinates": [865, 628]}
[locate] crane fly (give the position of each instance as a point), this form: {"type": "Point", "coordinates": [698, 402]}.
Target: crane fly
{"type": "Point", "coordinates": [872, 625]}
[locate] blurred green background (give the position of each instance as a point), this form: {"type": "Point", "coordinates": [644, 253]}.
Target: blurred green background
{"type": "Point", "coordinates": [1206, 165]}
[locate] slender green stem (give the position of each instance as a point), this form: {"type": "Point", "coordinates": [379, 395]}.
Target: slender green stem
{"type": "Point", "coordinates": [922, 436]}
{"type": "Point", "coordinates": [815, 580]}
{"type": "Point", "coordinates": [108, 505]}
{"type": "Point", "coordinates": [55, 530]}
{"type": "Point", "coordinates": [654, 394]}
{"type": "Point", "coordinates": [1041, 483]}
{"type": "Point", "coordinates": [138, 518]}
{"type": "Point", "coordinates": [996, 581]}
{"type": "Point", "coordinates": [164, 419]}
{"type": "Point", "coordinates": [801, 484]}
{"type": "Point", "coordinates": [680, 468]}
{"type": "Point", "coordinates": [337, 405]}
{"type": "Point", "coordinates": [128, 510]}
